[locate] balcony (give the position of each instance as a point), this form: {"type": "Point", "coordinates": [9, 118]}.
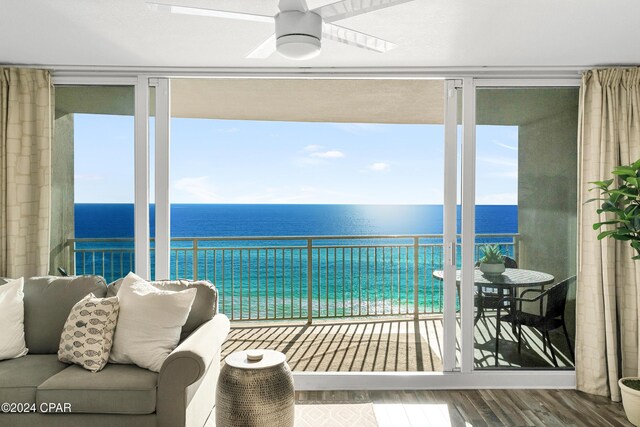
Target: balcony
{"type": "Point", "coordinates": [331, 303]}
{"type": "Point", "coordinates": [295, 278]}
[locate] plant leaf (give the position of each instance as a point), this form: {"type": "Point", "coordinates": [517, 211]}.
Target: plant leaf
{"type": "Point", "coordinates": [624, 171]}
{"type": "Point", "coordinates": [621, 237]}
{"type": "Point", "coordinates": [632, 180]}
{"type": "Point", "coordinates": [597, 225]}
{"type": "Point", "coordinates": [601, 184]}
{"type": "Point", "coordinates": [605, 234]}
{"type": "Point", "coordinates": [620, 201]}
{"type": "Point", "coordinates": [593, 200]}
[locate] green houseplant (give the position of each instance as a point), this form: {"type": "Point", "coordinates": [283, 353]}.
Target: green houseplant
{"type": "Point", "coordinates": [620, 203]}
{"type": "Point", "coordinates": [492, 260]}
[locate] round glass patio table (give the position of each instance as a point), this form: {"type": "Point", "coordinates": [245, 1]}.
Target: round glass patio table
{"type": "Point", "coordinates": [512, 277]}
{"type": "Point", "coordinates": [511, 280]}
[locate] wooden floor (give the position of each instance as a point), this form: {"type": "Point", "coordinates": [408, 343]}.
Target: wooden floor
{"type": "Point", "coordinates": [480, 407]}
{"type": "Point", "coordinates": [392, 345]}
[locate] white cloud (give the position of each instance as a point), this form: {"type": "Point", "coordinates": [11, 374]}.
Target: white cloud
{"type": "Point", "coordinates": [510, 147]}
{"type": "Point", "coordinates": [379, 166]}
{"type": "Point", "coordinates": [194, 190]}
{"type": "Point", "coordinates": [330, 154]}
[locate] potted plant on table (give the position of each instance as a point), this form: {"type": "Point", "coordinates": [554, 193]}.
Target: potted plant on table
{"type": "Point", "coordinates": [620, 203]}
{"type": "Point", "coordinates": [492, 261]}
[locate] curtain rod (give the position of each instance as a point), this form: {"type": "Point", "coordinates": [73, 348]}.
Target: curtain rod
{"type": "Point", "coordinates": [554, 72]}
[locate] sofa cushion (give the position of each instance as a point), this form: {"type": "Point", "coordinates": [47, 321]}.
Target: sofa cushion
{"type": "Point", "coordinates": [47, 303]}
{"type": "Point", "coordinates": [20, 377]}
{"type": "Point", "coordinates": [117, 389]}
{"type": "Point", "coordinates": [204, 307]}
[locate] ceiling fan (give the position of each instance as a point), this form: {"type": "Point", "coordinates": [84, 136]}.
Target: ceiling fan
{"type": "Point", "coordinates": [298, 30]}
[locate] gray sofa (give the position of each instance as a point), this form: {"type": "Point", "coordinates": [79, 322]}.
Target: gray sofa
{"type": "Point", "coordinates": [182, 394]}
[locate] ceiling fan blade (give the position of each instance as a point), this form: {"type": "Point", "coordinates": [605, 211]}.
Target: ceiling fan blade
{"type": "Point", "coordinates": [265, 50]}
{"type": "Point", "coordinates": [356, 38]}
{"type": "Point", "coordinates": [348, 8]}
{"type": "Point", "coordinates": [289, 5]}
{"type": "Point", "coordinates": [198, 11]}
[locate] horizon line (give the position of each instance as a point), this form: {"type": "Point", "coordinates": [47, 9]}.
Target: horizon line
{"type": "Point", "coordinates": [294, 204]}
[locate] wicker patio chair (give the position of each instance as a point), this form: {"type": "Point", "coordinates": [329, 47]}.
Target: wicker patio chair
{"type": "Point", "coordinates": [551, 303]}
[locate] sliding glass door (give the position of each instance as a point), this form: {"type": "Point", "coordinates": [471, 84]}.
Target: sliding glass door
{"type": "Point", "coordinates": [325, 217]}
{"type": "Point", "coordinates": [526, 198]}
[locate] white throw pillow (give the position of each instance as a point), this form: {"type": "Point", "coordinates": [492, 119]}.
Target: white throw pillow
{"type": "Point", "coordinates": [149, 323]}
{"type": "Point", "coordinates": [12, 342]}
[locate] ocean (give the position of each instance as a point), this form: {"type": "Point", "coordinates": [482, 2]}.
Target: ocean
{"type": "Point", "coordinates": [273, 278]}
{"type": "Point", "coordinates": [206, 220]}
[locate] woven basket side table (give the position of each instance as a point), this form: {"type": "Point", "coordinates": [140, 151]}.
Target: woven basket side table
{"type": "Point", "coordinates": [255, 389]}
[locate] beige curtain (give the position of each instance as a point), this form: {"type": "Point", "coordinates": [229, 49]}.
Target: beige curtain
{"type": "Point", "coordinates": [608, 294]}
{"type": "Point", "coordinates": [25, 171]}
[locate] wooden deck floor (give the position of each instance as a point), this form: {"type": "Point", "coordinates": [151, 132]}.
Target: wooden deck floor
{"type": "Point", "coordinates": [391, 345]}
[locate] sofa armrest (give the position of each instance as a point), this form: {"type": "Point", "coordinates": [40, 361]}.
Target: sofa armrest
{"type": "Point", "coordinates": [185, 367]}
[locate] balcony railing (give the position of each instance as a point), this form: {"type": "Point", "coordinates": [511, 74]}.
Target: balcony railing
{"type": "Point", "coordinates": [269, 278]}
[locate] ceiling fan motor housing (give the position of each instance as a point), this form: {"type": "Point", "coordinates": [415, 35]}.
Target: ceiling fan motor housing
{"type": "Point", "coordinates": [298, 34]}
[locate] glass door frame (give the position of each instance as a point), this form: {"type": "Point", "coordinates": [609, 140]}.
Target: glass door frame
{"type": "Point", "coordinates": [451, 88]}
{"type": "Point", "coordinates": [162, 178]}
{"type": "Point", "coordinates": [467, 344]}
{"type": "Point", "coordinates": [162, 202]}
{"type": "Point", "coordinates": [451, 377]}
{"type": "Point", "coordinates": [140, 85]}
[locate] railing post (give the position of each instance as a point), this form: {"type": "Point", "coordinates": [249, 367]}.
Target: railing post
{"type": "Point", "coordinates": [416, 261]}
{"type": "Point", "coordinates": [309, 281]}
{"type": "Point", "coordinates": [72, 257]}
{"type": "Point", "coordinates": [195, 259]}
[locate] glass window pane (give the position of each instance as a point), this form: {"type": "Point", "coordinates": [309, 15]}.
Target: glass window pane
{"type": "Point", "coordinates": [526, 195]}
{"type": "Point", "coordinates": [93, 181]}
{"type": "Point", "coordinates": [320, 198]}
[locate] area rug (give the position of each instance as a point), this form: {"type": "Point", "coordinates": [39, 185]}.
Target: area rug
{"type": "Point", "coordinates": [335, 415]}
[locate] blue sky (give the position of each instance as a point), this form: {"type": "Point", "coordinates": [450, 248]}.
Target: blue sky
{"type": "Point", "coordinates": [227, 161]}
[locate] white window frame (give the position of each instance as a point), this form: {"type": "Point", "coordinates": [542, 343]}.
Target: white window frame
{"type": "Point", "coordinates": [162, 179]}
{"type": "Point", "coordinates": [464, 378]}
{"type": "Point", "coordinates": [141, 231]}
{"type": "Point", "coordinates": [140, 84]}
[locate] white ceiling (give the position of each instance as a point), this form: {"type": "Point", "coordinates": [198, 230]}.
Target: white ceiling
{"type": "Point", "coordinates": [429, 33]}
